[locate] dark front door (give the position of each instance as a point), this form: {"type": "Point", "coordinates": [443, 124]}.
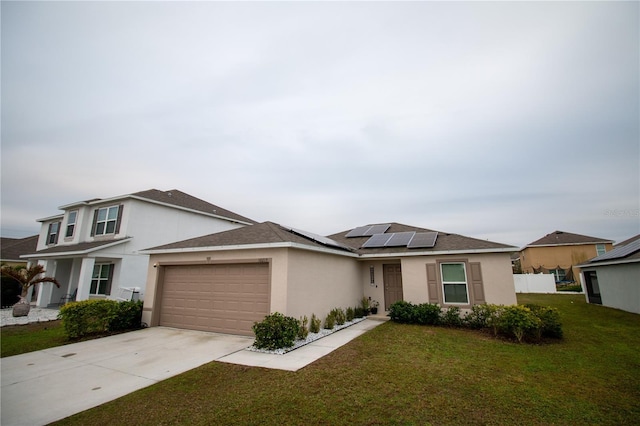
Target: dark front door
{"type": "Point", "coordinates": [593, 289]}
{"type": "Point", "coordinates": [392, 276]}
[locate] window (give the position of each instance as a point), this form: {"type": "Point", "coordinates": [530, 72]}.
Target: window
{"type": "Point", "coordinates": [600, 249]}
{"type": "Point", "coordinates": [105, 220]}
{"type": "Point", "coordinates": [71, 223]}
{"type": "Point", "coordinates": [372, 275]}
{"type": "Point", "coordinates": [101, 279]}
{"type": "Point", "coordinates": [559, 274]}
{"type": "Point", "coordinates": [454, 283]}
{"type": "Point", "coordinates": [54, 229]}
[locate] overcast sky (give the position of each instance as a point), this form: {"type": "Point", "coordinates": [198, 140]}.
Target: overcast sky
{"type": "Point", "coordinates": [499, 120]}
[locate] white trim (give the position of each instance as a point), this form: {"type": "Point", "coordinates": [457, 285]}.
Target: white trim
{"type": "Point", "coordinates": [257, 246]}
{"type": "Point", "coordinates": [73, 253]}
{"type": "Point", "coordinates": [568, 244]}
{"type": "Point", "coordinates": [605, 263]}
{"type": "Point", "coordinates": [466, 283]}
{"type": "Point", "coordinates": [434, 253]}
{"type": "Point", "coordinates": [46, 219]}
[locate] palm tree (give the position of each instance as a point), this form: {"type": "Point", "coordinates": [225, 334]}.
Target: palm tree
{"type": "Point", "coordinates": [27, 277]}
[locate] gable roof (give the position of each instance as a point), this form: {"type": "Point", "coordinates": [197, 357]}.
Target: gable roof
{"type": "Point", "coordinates": [173, 198]}
{"type": "Point", "coordinates": [445, 242]}
{"type": "Point", "coordinates": [627, 241]}
{"type": "Point", "coordinates": [559, 238]}
{"type": "Point", "coordinates": [13, 248]}
{"type": "Point", "coordinates": [623, 253]}
{"type": "Point", "coordinates": [267, 234]}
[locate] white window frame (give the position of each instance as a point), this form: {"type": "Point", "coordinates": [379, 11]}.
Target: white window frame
{"type": "Point", "coordinates": [52, 234]}
{"type": "Point", "coordinates": [71, 225]}
{"type": "Point", "coordinates": [99, 279]}
{"type": "Point", "coordinates": [105, 222]}
{"type": "Point", "coordinates": [600, 249]}
{"type": "Point", "coordinates": [465, 282]}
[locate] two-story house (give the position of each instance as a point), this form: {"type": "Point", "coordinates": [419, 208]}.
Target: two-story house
{"type": "Point", "coordinates": [92, 248]}
{"type": "Point", "coordinates": [559, 253]}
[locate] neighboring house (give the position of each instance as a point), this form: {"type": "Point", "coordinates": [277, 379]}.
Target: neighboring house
{"type": "Point", "coordinates": [92, 248]}
{"type": "Point", "coordinates": [559, 253]}
{"type": "Point", "coordinates": [226, 281]}
{"type": "Point", "coordinates": [613, 279]}
{"type": "Point", "coordinates": [12, 248]}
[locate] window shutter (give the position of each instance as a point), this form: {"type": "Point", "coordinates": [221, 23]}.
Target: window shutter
{"type": "Point", "coordinates": [95, 221]}
{"type": "Point", "coordinates": [49, 234]}
{"type": "Point", "coordinates": [476, 283]}
{"type": "Point", "coordinates": [120, 207]}
{"type": "Point", "coordinates": [108, 289]}
{"type": "Point", "coordinates": [432, 283]}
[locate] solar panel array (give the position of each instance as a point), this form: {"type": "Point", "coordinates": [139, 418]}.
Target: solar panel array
{"type": "Point", "coordinates": [319, 239]}
{"type": "Point", "coordinates": [368, 230]}
{"type": "Point", "coordinates": [619, 252]}
{"type": "Point", "coordinates": [402, 239]}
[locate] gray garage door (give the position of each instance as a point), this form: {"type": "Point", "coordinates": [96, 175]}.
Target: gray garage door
{"type": "Point", "coordinates": [226, 298]}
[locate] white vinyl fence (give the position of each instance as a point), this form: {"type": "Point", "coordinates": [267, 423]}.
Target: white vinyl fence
{"type": "Point", "coordinates": [534, 283]}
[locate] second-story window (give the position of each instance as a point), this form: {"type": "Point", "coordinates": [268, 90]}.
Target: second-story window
{"type": "Point", "coordinates": [54, 230]}
{"type": "Point", "coordinates": [600, 249]}
{"type": "Point", "coordinates": [71, 224]}
{"type": "Point", "coordinates": [106, 220]}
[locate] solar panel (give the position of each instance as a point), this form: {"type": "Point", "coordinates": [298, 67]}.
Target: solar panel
{"type": "Point", "coordinates": [377, 229]}
{"type": "Point", "coordinates": [319, 238]}
{"type": "Point", "coordinates": [423, 240]}
{"type": "Point", "coordinates": [377, 240]}
{"type": "Point", "coordinates": [400, 239]}
{"type": "Point", "coordinates": [358, 232]}
{"type": "Point", "coordinates": [618, 252]}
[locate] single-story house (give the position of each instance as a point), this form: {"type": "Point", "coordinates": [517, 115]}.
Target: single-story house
{"type": "Point", "coordinates": [224, 282]}
{"type": "Point", "coordinates": [613, 278]}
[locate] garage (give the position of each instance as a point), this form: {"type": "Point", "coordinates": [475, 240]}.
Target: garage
{"type": "Point", "coordinates": [223, 298]}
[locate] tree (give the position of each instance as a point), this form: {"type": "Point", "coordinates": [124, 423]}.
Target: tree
{"type": "Point", "coordinates": [26, 277]}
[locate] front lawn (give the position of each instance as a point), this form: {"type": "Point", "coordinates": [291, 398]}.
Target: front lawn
{"type": "Point", "coordinates": [408, 374]}
{"type": "Point", "coordinates": [19, 339]}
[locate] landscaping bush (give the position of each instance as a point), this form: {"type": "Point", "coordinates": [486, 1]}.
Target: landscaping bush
{"type": "Point", "coordinates": [358, 312]}
{"type": "Point", "coordinates": [402, 312]}
{"type": "Point", "coordinates": [314, 326]}
{"type": "Point", "coordinates": [479, 316]}
{"type": "Point", "coordinates": [330, 321]}
{"type": "Point", "coordinates": [518, 320]}
{"type": "Point", "coordinates": [551, 324]}
{"type": "Point", "coordinates": [303, 330]}
{"type": "Point", "coordinates": [426, 314]}
{"type": "Point", "coordinates": [339, 316]}
{"type": "Point", "coordinates": [350, 314]}
{"type": "Point", "coordinates": [276, 331]}
{"type": "Point", "coordinates": [450, 317]}
{"type": "Point", "coordinates": [10, 290]}
{"type": "Point", "coordinates": [99, 316]}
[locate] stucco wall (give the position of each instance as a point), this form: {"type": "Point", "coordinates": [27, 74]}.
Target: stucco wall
{"type": "Point", "coordinates": [620, 286]}
{"type": "Point", "coordinates": [319, 282]}
{"type": "Point", "coordinates": [563, 256]}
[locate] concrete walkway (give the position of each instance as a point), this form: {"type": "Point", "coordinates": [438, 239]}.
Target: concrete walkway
{"type": "Point", "coordinates": [62, 381]}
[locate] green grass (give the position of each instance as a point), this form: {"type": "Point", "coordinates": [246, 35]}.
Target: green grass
{"type": "Point", "coordinates": [19, 339]}
{"type": "Point", "coordinates": [408, 374]}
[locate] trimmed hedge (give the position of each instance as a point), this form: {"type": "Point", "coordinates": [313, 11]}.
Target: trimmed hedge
{"type": "Point", "coordinates": [99, 316]}
{"type": "Point", "coordinates": [276, 331]}
{"type": "Point", "coordinates": [522, 322]}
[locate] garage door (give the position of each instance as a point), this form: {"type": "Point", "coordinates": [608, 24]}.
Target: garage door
{"type": "Point", "coordinates": [225, 298]}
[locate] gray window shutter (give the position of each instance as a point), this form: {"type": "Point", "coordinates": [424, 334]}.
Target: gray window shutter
{"type": "Point", "coordinates": [476, 283]}
{"type": "Point", "coordinates": [58, 232]}
{"type": "Point", "coordinates": [95, 221]}
{"type": "Point", "coordinates": [432, 283]}
{"type": "Point", "coordinates": [120, 208]}
{"type": "Point", "coordinates": [49, 233]}
{"type": "Point", "coordinates": [108, 289]}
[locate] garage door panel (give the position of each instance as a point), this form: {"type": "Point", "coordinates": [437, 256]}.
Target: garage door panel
{"type": "Point", "coordinates": [220, 298]}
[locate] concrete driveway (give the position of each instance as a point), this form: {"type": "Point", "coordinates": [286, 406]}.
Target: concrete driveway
{"type": "Point", "coordinates": [44, 386]}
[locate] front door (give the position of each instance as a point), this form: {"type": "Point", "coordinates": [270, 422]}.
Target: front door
{"type": "Point", "coordinates": [392, 276]}
{"type": "Point", "coordinates": [593, 289]}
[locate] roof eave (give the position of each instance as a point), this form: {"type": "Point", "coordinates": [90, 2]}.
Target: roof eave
{"type": "Point", "coordinates": [437, 253]}
{"type": "Point", "coordinates": [256, 246]}
{"type": "Point", "coordinates": [73, 253]}
{"type": "Point", "coordinates": [609, 263]}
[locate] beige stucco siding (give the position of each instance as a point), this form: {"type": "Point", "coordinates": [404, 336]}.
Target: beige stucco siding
{"type": "Point", "coordinates": [565, 256]}
{"type": "Point", "coordinates": [497, 278]}
{"type": "Point", "coordinates": [319, 282]}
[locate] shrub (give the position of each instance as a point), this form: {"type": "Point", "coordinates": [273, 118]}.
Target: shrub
{"type": "Point", "coordinates": [276, 331]}
{"type": "Point", "coordinates": [99, 316]}
{"type": "Point", "coordinates": [426, 314]}
{"type": "Point", "coordinates": [358, 312]}
{"type": "Point", "coordinates": [314, 327]}
{"type": "Point", "coordinates": [451, 317]}
{"type": "Point", "coordinates": [350, 314]}
{"type": "Point", "coordinates": [518, 320]}
{"type": "Point", "coordinates": [402, 312]}
{"type": "Point", "coordinates": [551, 325]}
{"type": "Point", "coordinates": [330, 321]}
{"type": "Point", "coordinates": [303, 330]}
{"type": "Point", "coordinates": [364, 304]}
{"type": "Point", "coordinates": [479, 316]}
{"type": "Point", "coordinates": [339, 316]}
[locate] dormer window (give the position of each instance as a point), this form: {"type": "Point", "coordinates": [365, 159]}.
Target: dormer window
{"type": "Point", "coordinates": [54, 230]}
{"type": "Point", "coordinates": [106, 220]}
{"type": "Point", "coordinates": [71, 223]}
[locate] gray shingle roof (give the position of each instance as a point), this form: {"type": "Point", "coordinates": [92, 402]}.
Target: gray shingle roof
{"type": "Point", "coordinates": [561, 237]}
{"type": "Point", "coordinates": [76, 248]}
{"type": "Point", "coordinates": [13, 248]}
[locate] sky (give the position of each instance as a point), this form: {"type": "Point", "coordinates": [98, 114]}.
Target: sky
{"type": "Point", "coordinates": [497, 120]}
